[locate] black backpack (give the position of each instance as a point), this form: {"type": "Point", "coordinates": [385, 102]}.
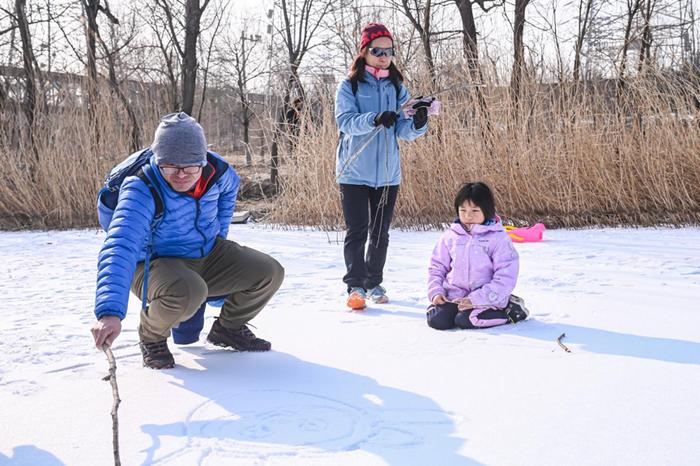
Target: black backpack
{"type": "Point", "coordinates": [108, 195]}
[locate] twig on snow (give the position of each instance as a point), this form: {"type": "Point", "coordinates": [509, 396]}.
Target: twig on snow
{"type": "Point", "coordinates": [563, 346]}
{"type": "Point", "coordinates": [112, 378]}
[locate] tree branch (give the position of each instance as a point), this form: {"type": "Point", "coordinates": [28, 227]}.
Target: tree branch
{"type": "Point", "coordinates": [112, 378]}
{"type": "Point", "coordinates": [485, 9]}
{"type": "Point", "coordinates": [105, 9]}
{"type": "Point", "coordinates": [169, 22]}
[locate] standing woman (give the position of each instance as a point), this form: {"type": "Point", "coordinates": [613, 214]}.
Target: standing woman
{"type": "Point", "coordinates": [368, 167]}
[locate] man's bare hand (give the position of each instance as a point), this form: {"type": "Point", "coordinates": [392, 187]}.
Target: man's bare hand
{"type": "Point", "coordinates": [106, 330]}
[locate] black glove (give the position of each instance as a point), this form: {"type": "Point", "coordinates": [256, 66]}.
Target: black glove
{"type": "Point", "coordinates": [420, 118]}
{"type": "Point", "coordinates": [387, 119]}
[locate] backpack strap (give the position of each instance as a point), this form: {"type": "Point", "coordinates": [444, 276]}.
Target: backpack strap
{"type": "Point", "coordinates": [154, 192]}
{"type": "Point", "coordinates": [398, 92]}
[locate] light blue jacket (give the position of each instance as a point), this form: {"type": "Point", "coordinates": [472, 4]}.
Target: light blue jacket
{"type": "Point", "coordinates": [188, 229]}
{"type": "Point", "coordinates": [378, 164]}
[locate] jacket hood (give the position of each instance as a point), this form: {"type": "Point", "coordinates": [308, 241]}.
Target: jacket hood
{"type": "Point", "coordinates": [482, 229]}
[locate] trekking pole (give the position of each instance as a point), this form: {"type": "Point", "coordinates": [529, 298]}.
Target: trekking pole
{"type": "Point", "coordinates": [457, 86]}
{"type": "Point", "coordinates": [112, 378]}
{"type": "Point", "coordinates": [357, 153]}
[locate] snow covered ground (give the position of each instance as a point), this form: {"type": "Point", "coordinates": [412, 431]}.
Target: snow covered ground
{"type": "Point", "coordinates": [371, 388]}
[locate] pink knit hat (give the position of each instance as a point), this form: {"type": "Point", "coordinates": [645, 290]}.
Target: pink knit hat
{"type": "Point", "coordinates": [371, 32]}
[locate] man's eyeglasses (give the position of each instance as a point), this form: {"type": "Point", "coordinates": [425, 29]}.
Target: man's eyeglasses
{"type": "Point", "coordinates": [382, 51]}
{"type": "Point", "coordinates": [191, 170]}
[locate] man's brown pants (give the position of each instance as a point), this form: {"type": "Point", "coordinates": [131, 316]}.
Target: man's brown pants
{"type": "Point", "coordinates": [177, 287]}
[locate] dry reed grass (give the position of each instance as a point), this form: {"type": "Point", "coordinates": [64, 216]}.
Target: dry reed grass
{"type": "Point", "coordinates": [59, 191]}
{"type": "Point", "coordinates": [567, 159]}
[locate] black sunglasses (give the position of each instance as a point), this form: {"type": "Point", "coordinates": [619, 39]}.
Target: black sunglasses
{"type": "Point", "coordinates": [382, 51]}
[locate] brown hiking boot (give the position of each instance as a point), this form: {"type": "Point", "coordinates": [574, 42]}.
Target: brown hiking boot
{"type": "Point", "coordinates": [157, 355]}
{"type": "Point", "coordinates": [239, 339]}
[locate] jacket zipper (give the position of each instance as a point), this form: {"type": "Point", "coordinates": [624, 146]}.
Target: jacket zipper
{"type": "Point", "coordinates": [376, 171]}
{"type": "Point", "coordinates": [196, 227]}
{"type": "Point", "coordinates": [469, 262]}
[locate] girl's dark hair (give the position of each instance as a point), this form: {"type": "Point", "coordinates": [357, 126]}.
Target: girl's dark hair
{"type": "Point", "coordinates": [480, 195]}
{"type": "Point", "coordinates": [357, 70]}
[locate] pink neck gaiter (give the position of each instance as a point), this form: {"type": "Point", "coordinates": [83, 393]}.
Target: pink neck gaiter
{"type": "Point", "coordinates": [377, 72]}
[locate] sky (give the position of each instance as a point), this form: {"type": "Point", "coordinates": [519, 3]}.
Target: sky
{"type": "Point", "coordinates": [495, 36]}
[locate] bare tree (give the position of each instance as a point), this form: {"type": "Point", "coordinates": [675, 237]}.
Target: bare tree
{"type": "Point", "coordinates": [216, 24]}
{"type": "Point", "coordinates": [518, 52]}
{"type": "Point", "coordinates": [552, 26]}
{"type": "Point", "coordinates": [471, 55]}
{"type": "Point", "coordinates": [244, 74]}
{"type": "Point", "coordinates": [170, 56]}
{"type": "Point", "coordinates": [92, 8]}
{"type": "Point", "coordinates": [469, 32]}
{"type": "Point", "coordinates": [11, 29]}
{"type": "Point", "coordinates": [645, 49]}
{"type": "Point", "coordinates": [239, 58]}
{"type": "Point", "coordinates": [420, 16]}
{"type": "Point", "coordinates": [193, 16]}
{"type": "Point", "coordinates": [188, 52]}
{"type": "Point", "coordinates": [30, 75]}
{"type": "Point", "coordinates": [583, 22]}
{"type": "Point", "coordinates": [633, 7]}
{"type": "Point", "coordinates": [111, 53]}
{"type": "Point", "coordinates": [348, 20]}
{"type": "Point", "coordinates": [301, 20]}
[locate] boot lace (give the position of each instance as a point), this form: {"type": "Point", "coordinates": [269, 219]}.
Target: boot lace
{"type": "Point", "coordinates": [245, 332]}
{"type": "Point", "coordinates": [159, 347]}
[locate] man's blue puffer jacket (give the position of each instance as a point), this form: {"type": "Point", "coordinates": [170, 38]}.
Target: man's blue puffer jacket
{"type": "Point", "coordinates": [187, 229]}
{"type": "Point", "coordinates": [379, 163]}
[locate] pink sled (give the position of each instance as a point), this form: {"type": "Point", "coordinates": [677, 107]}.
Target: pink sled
{"type": "Point", "coordinates": [531, 234]}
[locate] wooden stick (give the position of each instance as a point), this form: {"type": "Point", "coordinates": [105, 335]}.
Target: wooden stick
{"type": "Point", "coordinates": [112, 378]}
{"type": "Point", "coordinates": [563, 346]}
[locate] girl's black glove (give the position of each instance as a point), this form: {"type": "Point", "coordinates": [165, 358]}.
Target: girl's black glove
{"type": "Point", "coordinates": [420, 118]}
{"type": "Point", "coordinates": [387, 119]}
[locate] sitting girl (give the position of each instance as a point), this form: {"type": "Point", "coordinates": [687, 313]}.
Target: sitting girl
{"type": "Point", "coordinates": [474, 267]}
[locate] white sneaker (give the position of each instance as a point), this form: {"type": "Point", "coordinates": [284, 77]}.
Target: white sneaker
{"type": "Point", "coordinates": [378, 295]}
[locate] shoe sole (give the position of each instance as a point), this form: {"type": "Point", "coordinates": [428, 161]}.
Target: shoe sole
{"type": "Point", "coordinates": [233, 348]}
{"type": "Point", "coordinates": [356, 304]}
{"type": "Point", "coordinates": [379, 300]}
{"type": "Point", "coordinates": [168, 366]}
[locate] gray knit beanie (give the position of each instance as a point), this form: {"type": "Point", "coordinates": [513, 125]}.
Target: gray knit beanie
{"type": "Point", "coordinates": [179, 140]}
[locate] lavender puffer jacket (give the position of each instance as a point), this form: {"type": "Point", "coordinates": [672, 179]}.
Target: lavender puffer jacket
{"type": "Point", "coordinates": [481, 265]}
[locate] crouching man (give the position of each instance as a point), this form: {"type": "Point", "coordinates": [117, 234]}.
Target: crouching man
{"type": "Point", "coordinates": [189, 257]}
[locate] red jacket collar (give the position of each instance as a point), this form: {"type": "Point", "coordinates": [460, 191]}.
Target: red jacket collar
{"type": "Point", "coordinates": [203, 183]}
